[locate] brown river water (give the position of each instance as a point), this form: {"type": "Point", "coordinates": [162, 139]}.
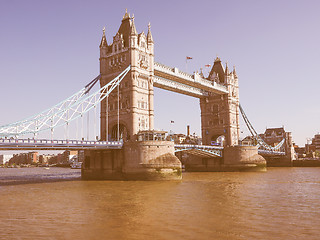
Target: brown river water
{"type": "Point", "coordinates": [39, 203]}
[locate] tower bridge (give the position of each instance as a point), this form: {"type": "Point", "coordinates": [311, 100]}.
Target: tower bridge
{"type": "Point", "coordinates": [128, 74]}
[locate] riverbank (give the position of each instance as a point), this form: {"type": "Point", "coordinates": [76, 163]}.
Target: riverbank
{"type": "Point", "coordinates": [16, 176]}
{"type": "Point", "coordinates": [306, 162]}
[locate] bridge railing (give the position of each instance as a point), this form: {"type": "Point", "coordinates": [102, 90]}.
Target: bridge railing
{"type": "Point", "coordinates": [197, 146]}
{"type": "Point", "coordinates": [194, 78]}
{"type": "Point", "coordinates": [180, 87]}
{"type": "Point", "coordinates": [212, 151]}
{"type": "Point", "coordinates": [270, 152]}
{"type": "Point", "coordinates": [46, 142]}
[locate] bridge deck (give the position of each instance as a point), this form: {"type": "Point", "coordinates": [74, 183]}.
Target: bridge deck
{"type": "Point", "coordinates": [43, 144]}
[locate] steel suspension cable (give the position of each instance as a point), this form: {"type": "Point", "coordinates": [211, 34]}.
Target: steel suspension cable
{"type": "Point", "coordinates": [78, 104]}
{"type": "Point", "coordinates": [118, 113]}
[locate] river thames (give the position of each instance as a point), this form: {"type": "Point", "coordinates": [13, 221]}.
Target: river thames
{"type": "Point", "coordinates": [39, 203]}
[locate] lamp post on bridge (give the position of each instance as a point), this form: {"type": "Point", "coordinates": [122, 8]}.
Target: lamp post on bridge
{"type": "Point", "coordinates": [171, 131]}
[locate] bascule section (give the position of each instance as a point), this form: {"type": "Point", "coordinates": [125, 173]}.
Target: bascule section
{"type": "Point", "coordinates": [220, 113]}
{"type": "Point", "coordinates": [128, 109]}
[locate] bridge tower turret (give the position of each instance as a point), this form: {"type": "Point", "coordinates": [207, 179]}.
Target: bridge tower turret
{"type": "Point", "coordinates": [220, 113]}
{"type": "Point", "coordinates": [135, 107]}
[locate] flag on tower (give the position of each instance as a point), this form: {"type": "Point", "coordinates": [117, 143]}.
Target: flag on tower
{"type": "Point", "coordinates": [172, 121]}
{"type": "Point", "coordinates": [188, 58]}
{"type": "Point", "coordinates": [207, 65]}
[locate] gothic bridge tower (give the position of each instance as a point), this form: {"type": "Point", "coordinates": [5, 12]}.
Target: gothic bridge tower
{"type": "Point", "coordinates": [136, 89]}
{"type": "Point", "coordinates": [220, 113]}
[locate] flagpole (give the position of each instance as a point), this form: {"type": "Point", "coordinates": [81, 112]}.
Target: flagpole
{"type": "Point", "coordinates": [207, 66]}
{"type": "Point", "coordinates": [187, 58]}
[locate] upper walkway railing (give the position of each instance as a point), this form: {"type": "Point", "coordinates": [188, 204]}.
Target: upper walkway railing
{"type": "Point", "coordinates": [194, 80]}
{"type": "Point", "coordinates": [178, 87]}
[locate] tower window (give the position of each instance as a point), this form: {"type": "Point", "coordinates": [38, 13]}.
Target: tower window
{"type": "Point", "coordinates": [143, 123]}
{"type": "Point", "coordinates": [215, 108]}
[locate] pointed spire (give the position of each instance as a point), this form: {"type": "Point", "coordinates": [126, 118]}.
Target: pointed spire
{"type": "Point", "coordinates": [126, 15]}
{"type": "Point", "coordinates": [149, 35]}
{"type": "Point", "coordinates": [234, 71]}
{"type": "Point", "coordinates": [201, 73]}
{"type": "Point", "coordinates": [217, 59]}
{"type": "Point", "coordinates": [133, 27]}
{"type": "Point", "coordinates": [227, 69]}
{"type": "Point", "coordinates": [104, 39]}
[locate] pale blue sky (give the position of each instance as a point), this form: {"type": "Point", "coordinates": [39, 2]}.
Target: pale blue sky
{"type": "Point", "coordinates": [50, 49]}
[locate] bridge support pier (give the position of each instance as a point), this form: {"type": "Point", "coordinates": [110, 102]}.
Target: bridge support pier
{"type": "Point", "coordinates": [243, 158]}
{"type": "Point", "coordinates": [278, 161]}
{"type": "Point", "coordinates": [235, 158]}
{"type": "Point", "coordinates": [143, 160]}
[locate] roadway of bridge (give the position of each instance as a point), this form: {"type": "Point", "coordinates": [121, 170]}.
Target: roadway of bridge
{"type": "Point", "coordinates": [44, 144]}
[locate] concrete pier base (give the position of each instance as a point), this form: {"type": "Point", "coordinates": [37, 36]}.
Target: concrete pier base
{"type": "Point", "coordinates": [243, 158]}
{"type": "Point", "coordinates": [278, 161]}
{"type": "Point", "coordinates": [137, 160]}
{"type": "Point", "coordinates": [235, 158]}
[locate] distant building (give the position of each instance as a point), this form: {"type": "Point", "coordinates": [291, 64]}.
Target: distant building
{"type": "Point", "coordinates": [33, 157]}
{"type": "Point", "coordinates": [310, 148]}
{"type": "Point", "coordinates": [4, 158]}
{"type": "Point", "coordinates": [70, 156]}
{"type": "Point", "coordinates": [316, 142]}
{"type": "Point", "coordinates": [177, 138]}
{"type": "Point", "coordinates": [45, 158]}
{"type": "Point", "coordinates": [248, 140]}
{"type": "Point", "coordinates": [273, 136]}
{"type": "Point", "coordinates": [300, 151]}
{"type": "Point", "coordinates": [25, 158]}
{"type": "Point", "coordinates": [183, 139]}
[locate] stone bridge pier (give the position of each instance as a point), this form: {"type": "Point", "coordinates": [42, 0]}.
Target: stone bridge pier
{"type": "Point", "coordinates": [137, 160]}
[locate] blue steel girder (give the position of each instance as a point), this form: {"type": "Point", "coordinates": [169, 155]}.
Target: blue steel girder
{"type": "Point", "coordinates": [270, 152]}
{"type": "Point", "coordinates": [207, 151]}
